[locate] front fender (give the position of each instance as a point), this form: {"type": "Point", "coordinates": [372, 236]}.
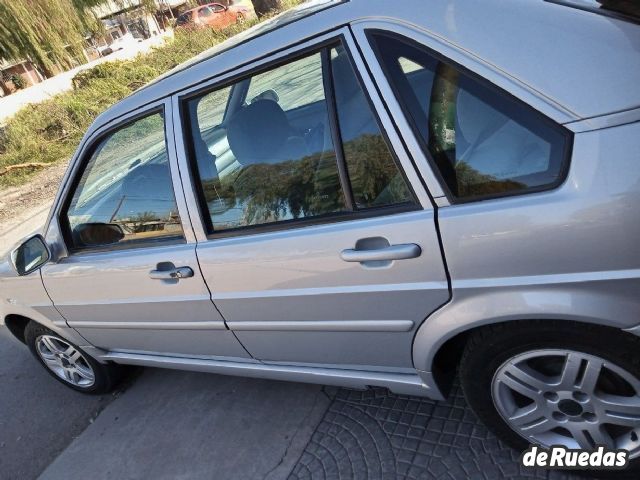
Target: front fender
{"type": "Point", "coordinates": [27, 297]}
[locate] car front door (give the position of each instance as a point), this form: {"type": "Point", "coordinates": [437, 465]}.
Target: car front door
{"type": "Point", "coordinates": [316, 237]}
{"type": "Point", "coordinates": [131, 279]}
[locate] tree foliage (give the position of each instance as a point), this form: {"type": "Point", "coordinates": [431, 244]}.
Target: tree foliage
{"type": "Point", "coordinates": [264, 7]}
{"type": "Point", "coordinates": [49, 131]}
{"type": "Point", "coordinates": [50, 33]}
{"type": "Point", "coordinates": [309, 186]}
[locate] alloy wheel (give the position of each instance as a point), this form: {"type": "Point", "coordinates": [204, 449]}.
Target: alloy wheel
{"type": "Point", "coordinates": [569, 398]}
{"type": "Point", "coordinates": [65, 361]}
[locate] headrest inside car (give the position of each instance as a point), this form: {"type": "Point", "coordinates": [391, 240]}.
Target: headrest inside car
{"type": "Point", "coordinates": [258, 131]}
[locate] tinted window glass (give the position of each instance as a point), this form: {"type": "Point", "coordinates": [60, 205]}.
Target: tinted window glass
{"type": "Point", "coordinates": [271, 156]}
{"type": "Point", "coordinates": [289, 82]}
{"type": "Point", "coordinates": [484, 143]}
{"type": "Point", "coordinates": [125, 192]}
{"type": "Point", "coordinates": [205, 12]}
{"type": "Point", "coordinates": [375, 179]}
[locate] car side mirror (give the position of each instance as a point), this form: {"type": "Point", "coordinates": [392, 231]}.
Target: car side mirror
{"type": "Point", "coordinates": [30, 255]}
{"type": "Point", "coordinates": [96, 234]}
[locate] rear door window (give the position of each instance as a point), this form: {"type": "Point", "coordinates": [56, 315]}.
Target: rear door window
{"type": "Point", "coordinates": [295, 142]}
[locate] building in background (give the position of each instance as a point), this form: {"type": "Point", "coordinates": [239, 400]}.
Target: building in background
{"type": "Point", "coordinates": [15, 75]}
{"type": "Point", "coordinates": [124, 22]}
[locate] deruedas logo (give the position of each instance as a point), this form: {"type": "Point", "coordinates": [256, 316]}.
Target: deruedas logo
{"type": "Point", "coordinates": [568, 458]}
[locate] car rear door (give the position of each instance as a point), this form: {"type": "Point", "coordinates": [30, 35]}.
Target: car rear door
{"type": "Point", "coordinates": [131, 280]}
{"type": "Point", "coordinates": [315, 235]}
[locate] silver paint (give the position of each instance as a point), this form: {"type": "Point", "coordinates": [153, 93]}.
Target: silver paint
{"type": "Point", "coordinates": [296, 306]}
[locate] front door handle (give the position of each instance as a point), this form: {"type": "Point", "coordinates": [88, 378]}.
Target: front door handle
{"type": "Point", "coordinates": [175, 273]}
{"type": "Point", "coordinates": [392, 252]}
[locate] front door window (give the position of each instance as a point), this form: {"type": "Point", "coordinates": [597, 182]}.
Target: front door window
{"type": "Point", "coordinates": [125, 194]}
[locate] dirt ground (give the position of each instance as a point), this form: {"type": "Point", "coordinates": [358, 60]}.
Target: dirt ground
{"type": "Point", "coordinates": [23, 209]}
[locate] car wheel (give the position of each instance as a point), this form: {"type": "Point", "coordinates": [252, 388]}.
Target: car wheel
{"type": "Point", "coordinates": [69, 364]}
{"type": "Point", "coordinates": [556, 383]}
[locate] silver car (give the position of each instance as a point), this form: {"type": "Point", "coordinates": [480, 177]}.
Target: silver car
{"type": "Point", "coordinates": [367, 193]}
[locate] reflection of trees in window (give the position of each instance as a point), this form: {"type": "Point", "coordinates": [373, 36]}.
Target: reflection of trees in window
{"type": "Point", "coordinates": [374, 176]}
{"type": "Point", "coordinates": [310, 186]}
{"type": "Point", "coordinates": [442, 122]}
{"type": "Point", "coordinates": [271, 192]}
{"type": "Point", "coordinates": [471, 182]}
{"type": "Point", "coordinates": [150, 221]}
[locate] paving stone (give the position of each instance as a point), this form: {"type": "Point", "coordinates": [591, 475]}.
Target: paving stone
{"type": "Point", "coordinates": [375, 434]}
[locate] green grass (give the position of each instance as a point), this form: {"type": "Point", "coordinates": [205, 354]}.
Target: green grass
{"type": "Point", "coordinates": [50, 131]}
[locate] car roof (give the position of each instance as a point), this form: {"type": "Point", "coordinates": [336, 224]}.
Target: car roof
{"type": "Point", "coordinates": [588, 64]}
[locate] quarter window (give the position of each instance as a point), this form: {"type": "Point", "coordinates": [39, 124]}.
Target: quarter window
{"type": "Point", "coordinates": [483, 142]}
{"type": "Point", "coordinates": [125, 193]}
{"type": "Point", "coordinates": [266, 152]}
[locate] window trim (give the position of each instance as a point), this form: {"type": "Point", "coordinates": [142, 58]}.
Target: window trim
{"type": "Point", "coordinates": [319, 46]}
{"type": "Point", "coordinates": [372, 32]}
{"type": "Point", "coordinates": [80, 167]}
{"type": "Point", "coordinates": [334, 126]}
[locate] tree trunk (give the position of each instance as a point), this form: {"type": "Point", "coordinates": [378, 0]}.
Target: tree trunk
{"type": "Point", "coordinates": [263, 7]}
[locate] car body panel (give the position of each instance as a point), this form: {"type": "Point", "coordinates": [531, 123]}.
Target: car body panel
{"type": "Point", "coordinates": [111, 300]}
{"type": "Point", "coordinates": [26, 296]}
{"type": "Point", "coordinates": [286, 294]}
{"type": "Point", "coordinates": [289, 297]}
{"type": "Point", "coordinates": [92, 290]}
{"type": "Point", "coordinates": [570, 253]}
{"type": "Point", "coordinates": [565, 254]}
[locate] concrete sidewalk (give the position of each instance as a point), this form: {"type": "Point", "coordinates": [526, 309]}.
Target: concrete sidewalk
{"type": "Point", "coordinates": [39, 417]}
{"type": "Point", "coordinates": [180, 425]}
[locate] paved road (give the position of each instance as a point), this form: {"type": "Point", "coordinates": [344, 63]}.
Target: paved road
{"type": "Point", "coordinates": [38, 416]}
{"type": "Point", "coordinates": [171, 424]}
{"type": "Point", "coordinates": [184, 425]}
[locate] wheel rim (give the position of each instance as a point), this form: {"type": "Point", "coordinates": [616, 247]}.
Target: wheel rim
{"type": "Point", "coordinates": [569, 398]}
{"type": "Point", "coordinates": [65, 361]}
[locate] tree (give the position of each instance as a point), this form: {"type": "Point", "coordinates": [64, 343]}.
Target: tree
{"type": "Point", "coordinates": [264, 7]}
{"type": "Point", "coordinates": [50, 33]}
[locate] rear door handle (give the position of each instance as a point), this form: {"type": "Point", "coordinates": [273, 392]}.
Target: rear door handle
{"type": "Point", "coordinates": [171, 274]}
{"type": "Point", "coordinates": [392, 252]}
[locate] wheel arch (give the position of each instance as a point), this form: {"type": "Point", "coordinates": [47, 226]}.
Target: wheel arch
{"type": "Point", "coordinates": [441, 338]}
{"type": "Point", "coordinates": [16, 324]}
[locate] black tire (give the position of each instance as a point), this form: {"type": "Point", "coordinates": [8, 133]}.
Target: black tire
{"type": "Point", "coordinates": [490, 347]}
{"type": "Point", "coordinates": [106, 376]}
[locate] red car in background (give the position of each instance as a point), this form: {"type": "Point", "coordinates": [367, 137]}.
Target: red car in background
{"type": "Point", "coordinates": [214, 15]}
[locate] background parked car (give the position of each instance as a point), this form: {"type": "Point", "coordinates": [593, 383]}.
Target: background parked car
{"type": "Point", "coordinates": [213, 15]}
